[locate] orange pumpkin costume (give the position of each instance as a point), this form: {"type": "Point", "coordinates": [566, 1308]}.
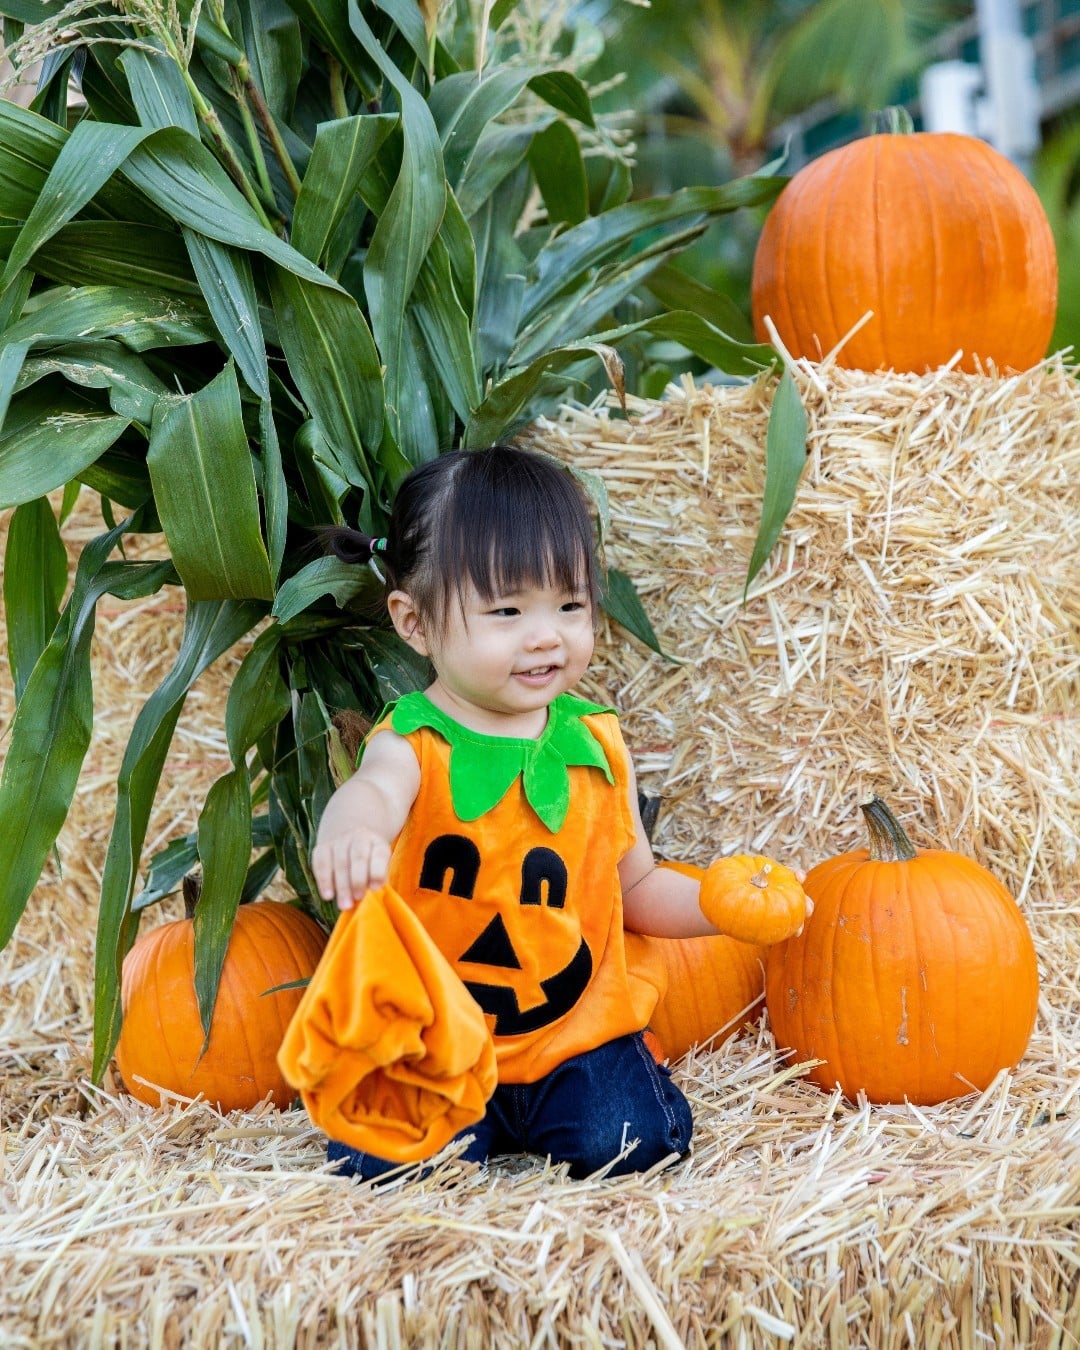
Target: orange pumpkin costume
{"type": "Point", "coordinates": [509, 858]}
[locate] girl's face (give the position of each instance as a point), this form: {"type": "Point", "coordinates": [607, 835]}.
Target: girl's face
{"type": "Point", "coordinates": [499, 663]}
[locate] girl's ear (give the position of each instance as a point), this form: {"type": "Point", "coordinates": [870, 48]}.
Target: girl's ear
{"type": "Point", "coordinates": [406, 620]}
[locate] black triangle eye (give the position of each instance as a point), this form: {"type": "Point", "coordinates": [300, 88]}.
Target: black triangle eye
{"type": "Point", "coordinates": [543, 879]}
{"type": "Point", "coordinates": [455, 855]}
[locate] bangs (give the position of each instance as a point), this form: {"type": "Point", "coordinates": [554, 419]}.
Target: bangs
{"type": "Point", "coordinates": [510, 526]}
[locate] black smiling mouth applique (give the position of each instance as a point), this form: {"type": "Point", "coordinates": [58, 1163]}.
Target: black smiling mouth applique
{"type": "Point", "coordinates": [543, 885]}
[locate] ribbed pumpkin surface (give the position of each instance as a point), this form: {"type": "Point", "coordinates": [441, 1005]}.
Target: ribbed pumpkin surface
{"type": "Point", "coordinates": [912, 979]}
{"type": "Point", "coordinates": [706, 982]}
{"type": "Point", "coordinates": [938, 234]}
{"type": "Point", "coordinates": [709, 983]}
{"type": "Point", "coordinates": [161, 1040]}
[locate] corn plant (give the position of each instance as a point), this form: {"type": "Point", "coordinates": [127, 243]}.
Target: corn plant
{"type": "Point", "coordinates": [274, 254]}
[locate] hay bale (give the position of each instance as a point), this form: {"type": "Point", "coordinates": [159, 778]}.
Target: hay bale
{"type": "Point", "coordinates": [798, 1219]}
{"type": "Point", "coordinates": [917, 630]}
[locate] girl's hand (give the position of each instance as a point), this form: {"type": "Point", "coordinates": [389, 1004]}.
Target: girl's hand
{"type": "Point", "coordinates": [349, 863]}
{"type": "Point", "coordinates": [363, 818]}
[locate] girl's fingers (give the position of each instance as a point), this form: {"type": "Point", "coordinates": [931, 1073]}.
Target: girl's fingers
{"type": "Point", "coordinates": [322, 868]}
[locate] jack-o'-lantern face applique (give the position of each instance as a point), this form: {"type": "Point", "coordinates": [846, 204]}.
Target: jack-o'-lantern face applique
{"type": "Point", "coordinates": [502, 869]}
{"type": "Point", "coordinates": [452, 866]}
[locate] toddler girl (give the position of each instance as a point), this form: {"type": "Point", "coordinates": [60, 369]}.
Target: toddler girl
{"type": "Point", "coordinates": [504, 809]}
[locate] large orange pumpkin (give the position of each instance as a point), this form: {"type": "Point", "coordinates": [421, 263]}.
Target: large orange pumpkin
{"type": "Point", "coordinates": [708, 984]}
{"type": "Point", "coordinates": [161, 1041]}
{"type": "Point", "coordinates": [915, 977]}
{"type": "Point", "coordinates": [936, 233]}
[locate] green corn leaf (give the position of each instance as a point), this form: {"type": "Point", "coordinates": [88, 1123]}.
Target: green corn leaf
{"type": "Point", "coordinates": [342, 152]}
{"type": "Point", "coordinates": [582, 310]}
{"type": "Point", "coordinates": [463, 105]}
{"type": "Point", "coordinates": [12, 361]}
{"type": "Point", "coordinates": [275, 49]}
{"type": "Point", "coordinates": [258, 696]}
{"type": "Point", "coordinates": [210, 629]}
{"type": "Point", "coordinates": [210, 37]}
{"type": "Point", "coordinates": [29, 146]}
{"type": "Point", "coordinates": [602, 238]}
{"type": "Point", "coordinates": [328, 23]}
{"type": "Point", "coordinates": [457, 238]}
{"type": "Point", "coordinates": [785, 460]}
{"type": "Point", "coordinates": [499, 151]}
{"type": "Point", "coordinates": [557, 163]}
{"type": "Point", "coordinates": [325, 576]}
{"type": "Point", "coordinates": [13, 301]}
{"type": "Point", "coordinates": [50, 437]}
{"type": "Point", "coordinates": [409, 20]}
{"type": "Point", "coordinates": [104, 87]}
{"type": "Point", "coordinates": [184, 179]}
{"type": "Point", "coordinates": [507, 403]}
{"type": "Point", "coordinates": [120, 475]}
{"type": "Point", "coordinates": [397, 668]}
{"type": "Point", "coordinates": [88, 159]}
{"type": "Point", "coordinates": [167, 869]}
{"type": "Point", "coordinates": [140, 320]}
{"type": "Point", "coordinates": [119, 253]}
{"type": "Point", "coordinates": [224, 837]}
{"type": "Point", "coordinates": [258, 700]}
{"type": "Point", "coordinates": [50, 731]}
{"type": "Point", "coordinates": [204, 487]}
{"type": "Point", "coordinates": [405, 232]}
{"type": "Point", "coordinates": [620, 598]}
{"type": "Point", "coordinates": [446, 330]}
{"type": "Point", "coordinates": [500, 279]}
{"type": "Point", "coordinates": [676, 289]}
{"type": "Point", "coordinates": [27, 11]}
{"type": "Point", "coordinates": [275, 491]}
{"type": "Point", "coordinates": [333, 359]}
{"type": "Point", "coordinates": [227, 283]}
{"type": "Point", "coordinates": [419, 424]}
{"type": "Point", "coordinates": [565, 92]}
{"type": "Point", "coordinates": [158, 90]}
{"type": "Point", "coordinates": [35, 578]}
{"type": "Point", "coordinates": [133, 387]}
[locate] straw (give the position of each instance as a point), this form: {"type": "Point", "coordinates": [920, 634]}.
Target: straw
{"type": "Point", "coordinates": [928, 573]}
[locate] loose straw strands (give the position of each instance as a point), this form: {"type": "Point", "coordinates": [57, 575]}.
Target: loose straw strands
{"type": "Point", "coordinates": [917, 630]}
{"type": "Point", "coordinates": [798, 1218]}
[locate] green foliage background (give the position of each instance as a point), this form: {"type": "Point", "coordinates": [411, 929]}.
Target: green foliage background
{"type": "Point", "coordinates": [281, 252]}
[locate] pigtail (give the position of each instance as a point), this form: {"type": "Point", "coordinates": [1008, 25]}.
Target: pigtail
{"type": "Point", "coordinates": [351, 546]}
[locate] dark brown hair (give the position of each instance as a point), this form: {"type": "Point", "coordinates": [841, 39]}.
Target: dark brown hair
{"type": "Point", "coordinates": [501, 518]}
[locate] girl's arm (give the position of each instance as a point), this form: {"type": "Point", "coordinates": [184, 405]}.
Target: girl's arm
{"type": "Point", "coordinates": [657, 900]}
{"type": "Point", "coordinates": [363, 818]}
{"type": "Point", "coordinates": [662, 902]}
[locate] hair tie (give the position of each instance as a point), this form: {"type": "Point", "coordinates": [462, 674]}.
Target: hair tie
{"type": "Point", "coordinates": [378, 545]}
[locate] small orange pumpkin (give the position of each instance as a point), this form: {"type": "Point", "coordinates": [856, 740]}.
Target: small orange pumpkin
{"type": "Point", "coordinates": [752, 898]}
{"type": "Point", "coordinates": [708, 985]}
{"type": "Point", "coordinates": [915, 977]}
{"type": "Point", "coordinates": [162, 1038]}
{"type": "Point", "coordinates": [938, 234]}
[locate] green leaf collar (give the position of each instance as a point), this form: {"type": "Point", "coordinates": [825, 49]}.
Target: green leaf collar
{"type": "Point", "coordinates": [483, 768]}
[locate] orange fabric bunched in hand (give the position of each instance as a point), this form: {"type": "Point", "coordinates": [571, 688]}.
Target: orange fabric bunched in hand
{"type": "Point", "coordinates": [389, 1051]}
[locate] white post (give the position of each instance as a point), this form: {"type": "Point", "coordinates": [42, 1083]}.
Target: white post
{"type": "Point", "coordinates": [1010, 104]}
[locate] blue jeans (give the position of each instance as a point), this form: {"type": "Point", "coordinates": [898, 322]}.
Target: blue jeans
{"type": "Point", "coordinates": [585, 1113]}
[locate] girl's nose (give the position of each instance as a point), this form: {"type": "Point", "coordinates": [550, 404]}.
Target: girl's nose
{"type": "Point", "coordinates": [544, 636]}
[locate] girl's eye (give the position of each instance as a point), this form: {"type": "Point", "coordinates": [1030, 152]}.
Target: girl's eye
{"type": "Point", "coordinates": [572, 606]}
{"type": "Point", "coordinates": [506, 611]}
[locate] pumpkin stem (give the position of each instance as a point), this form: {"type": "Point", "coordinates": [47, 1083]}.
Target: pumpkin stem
{"type": "Point", "coordinates": [761, 879]}
{"type": "Point", "coordinates": [191, 889]}
{"type": "Point", "coordinates": [894, 121]}
{"type": "Point", "coordinates": [888, 842]}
